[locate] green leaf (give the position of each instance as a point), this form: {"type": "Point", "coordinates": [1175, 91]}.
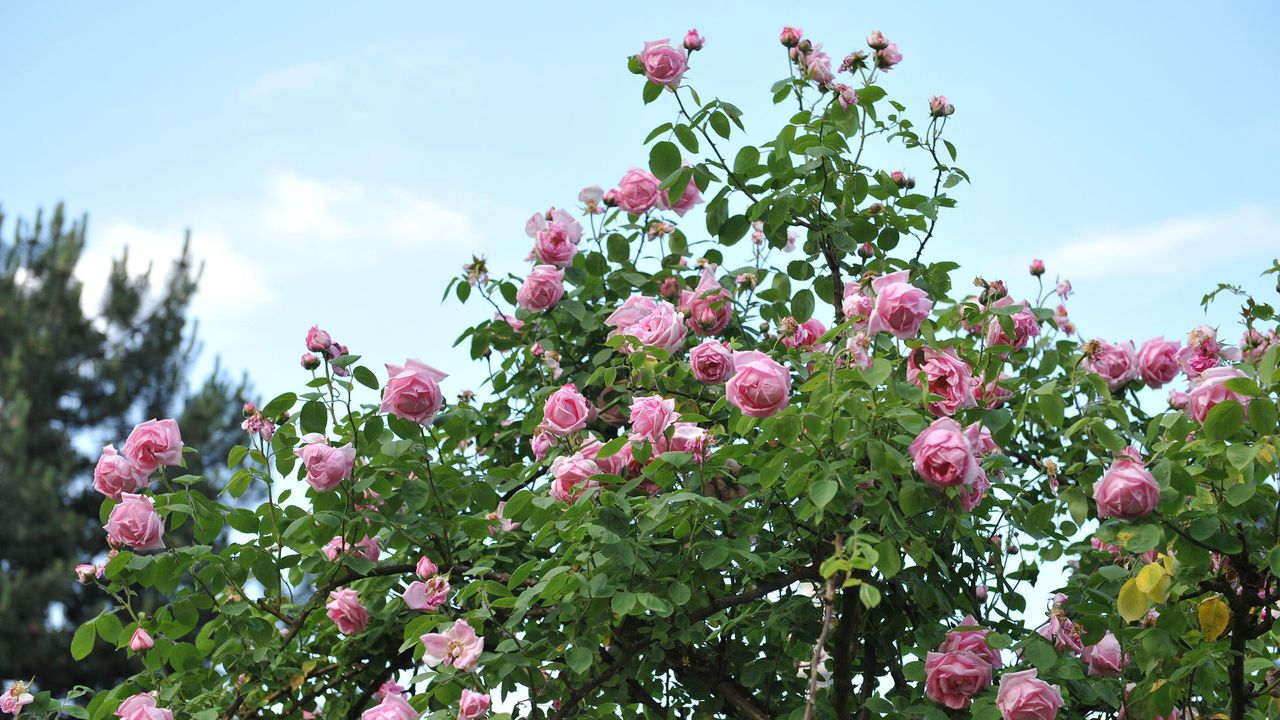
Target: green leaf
{"type": "Point", "coordinates": [1238, 495]}
{"type": "Point", "coordinates": [802, 305]}
{"type": "Point", "coordinates": [82, 641]}
{"type": "Point", "coordinates": [1224, 419]}
{"type": "Point", "coordinates": [664, 158]}
{"type": "Point", "coordinates": [279, 404]}
{"type": "Point", "coordinates": [236, 454]}
{"type": "Point", "coordinates": [314, 418]}
{"type": "Point", "coordinates": [365, 377]}
{"type": "Point", "coordinates": [822, 491]}
{"type": "Point", "coordinates": [622, 602]}
{"type": "Point", "coordinates": [579, 658]}
{"type": "Point", "coordinates": [747, 160]}
{"type": "Point", "coordinates": [651, 92]}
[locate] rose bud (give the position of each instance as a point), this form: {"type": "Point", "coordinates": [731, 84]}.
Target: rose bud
{"type": "Point", "coordinates": [141, 641]}
{"type": "Point", "coordinates": [693, 41]}
{"type": "Point", "coordinates": [1037, 267]}
{"type": "Point", "coordinates": [791, 36]}
{"type": "Point", "coordinates": [310, 362]}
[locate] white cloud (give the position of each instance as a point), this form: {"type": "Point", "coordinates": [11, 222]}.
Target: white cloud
{"type": "Point", "coordinates": [1170, 247]}
{"type": "Point", "coordinates": [292, 79]}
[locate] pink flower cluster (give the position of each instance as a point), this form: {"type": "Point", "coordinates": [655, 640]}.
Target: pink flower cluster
{"type": "Point", "coordinates": [654, 323]}
{"type": "Point", "coordinates": [431, 592]}
{"type": "Point", "coordinates": [319, 341]}
{"type": "Point", "coordinates": [947, 455]}
{"type": "Point", "coordinates": [962, 666]}
{"type": "Point", "coordinates": [150, 445]}
{"type": "Point", "coordinates": [556, 235]}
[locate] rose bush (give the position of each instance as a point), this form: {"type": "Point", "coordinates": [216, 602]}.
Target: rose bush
{"type": "Point", "coordinates": [680, 494]}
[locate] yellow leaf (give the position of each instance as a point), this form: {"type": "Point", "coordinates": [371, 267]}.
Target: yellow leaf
{"type": "Point", "coordinates": [1214, 616]}
{"type": "Point", "coordinates": [1132, 602]}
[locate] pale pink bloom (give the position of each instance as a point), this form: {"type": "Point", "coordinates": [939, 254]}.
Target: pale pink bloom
{"type": "Point", "coordinates": [553, 245]}
{"type": "Point", "coordinates": [592, 199]}
{"type": "Point", "coordinates": [631, 311]}
{"type": "Point", "coordinates": [971, 494]}
{"type": "Point", "coordinates": [142, 706]}
{"type": "Point", "coordinates": [888, 56]}
{"type": "Point", "coordinates": [429, 595]}
{"type": "Point", "coordinates": [847, 98]}
{"type": "Point", "coordinates": [1158, 361]}
{"type": "Point", "coordinates": [390, 687]}
{"type": "Point", "coordinates": [134, 522]}
{"type": "Point", "coordinates": [973, 640]}
{"type": "Point", "coordinates": [114, 474]}
{"type": "Point", "coordinates": [1104, 657]}
{"type": "Point", "coordinates": [817, 65]}
{"type": "Point", "coordinates": [473, 704]}
{"type": "Point", "coordinates": [858, 350]}
{"type": "Point", "coordinates": [944, 374]}
{"type": "Point", "coordinates": [760, 386]}
{"type": "Point", "coordinates": [498, 522]}
{"type": "Point", "coordinates": [1025, 326]}
{"type": "Point", "coordinates": [1116, 364]}
{"type": "Point", "coordinates": [516, 324]}
{"type": "Point", "coordinates": [141, 641]}
{"type": "Point", "coordinates": [877, 41]}
{"type": "Point", "coordinates": [335, 548]}
{"type": "Point", "coordinates": [542, 288]}
{"type": "Point", "coordinates": [939, 107]}
{"type": "Point", "coordinates": [711, 361]}
{"type": "Point", "coordinates": [425, 568]}
{"type": "Point", "coordinates": [154, 443]}
{"type": "Point", "coordinates": [622, 463]}
{"type": "Point", "coordinates": [991, 394]}
{"type": "Point", "coordinates": [856, 305]}
{"type": "Point", "coordinates": [663, 64]}
{"type": "Point", "coordinates": [1063, 320]}
{"type": "Point", "coordinates": [566, 411]}
{"type": "Point", "coordinates": [980, 439]}
{"type": "Point", "coordinates": [85, 571]}
{"type": "Point", "coordinates": [413, 391]}
{"type": "Point", "coordinates": [1063, 633]}
{"type": "Point", "coordinates": [571, 476]}
{"type": "Point", "coordinates": [650, 417]}
{"type": "Point", "coordinates": [953, 678]}
{"type": "Point", "coordinates": [541, 443]}
{"type": "Point", "coordinates": [345, 610]}
{"type": "Point", "coordinates": [806, 336]}
{"type": "Point", "coordinates": [637, 191]}
{"type": "Point", "coordinates": [688, 437]}
{"type": "Point", "coordinates": [899, 307]}
{"type": "Point", "coordinates": [1063, 289]}
{"type": "Point", "coordinates": [1023, 696]}
{"type": "Point", "coordinates": [691, 197]}
{"type": "Point", "coordinates": [662, 327]}
{"type": "Point", "coordinates": [326, 466]}
{"type": "Point", "coordinates": [942, 455]}
{"type": "Point", "coordinates": [1210, 389]}
{"type": "Point", "coordinates": [1126, 491]}
{"type": "Point", "coordinates": [458, 646]}
{"type": "Point", "coordinates": [708, 307]}
{"type": "Point", "coordinates": [318, 340]}
{"type": "Point", "coordinates": [392, 707]}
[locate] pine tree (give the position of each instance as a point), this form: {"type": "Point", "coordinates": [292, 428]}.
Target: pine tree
{"type": "Point", "coordinates": [71, 380]}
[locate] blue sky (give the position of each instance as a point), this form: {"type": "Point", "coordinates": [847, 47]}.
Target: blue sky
{"type": "Point", "coordinates": [337, 165]}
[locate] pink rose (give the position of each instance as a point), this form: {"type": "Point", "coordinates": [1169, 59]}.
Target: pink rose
{"type": "Point", "coordinates": [390, 687]}
{"type": "Point", "coordinates": [426, 569]}
{"type": "Point", "coordinates": [472, 705]}
{"type": "Point", "coordinates": [345, 610]}
{"type": "Point", "coordinates": [663, 64]}
{"type": "Point", "coordinates": [565, 412]}
{"type": "Point", "coordinates": [326, 466]}
{"type": "Point", "coordinates": [939, 107]}
{"type": "Point", "coordinates": [541, 443]}
{"type": "Point", "coordinates": [554, 247]}
{"type": "Point", "coordinates": [571, 476]}
{"type": "Point", "coordinates": [152, 444]}
{"type": "Point", "coordinates": [429, 595]}
{"type": "Point", "coordinates": [1104, 657]}
{"type": "Point", "coordinates": [1126, 491]}
{"type": "Point", "coordinates": [650, 417]}
{"type": "Point", "coordinates": [638, 191]}
{"type": "Point", "coordinates": [888, 56]}
{"type": "Point", "coordinates": [16, 698]}
{"type": "Point", "coordinates": [114, 474]}
{"type": "Point", "coordinates": [142, 706]}
{"type": "Point", "coordinates": [817, 65]}
{"type": "Point", "coordinates": [944, 374]}
{"type": "Point", "coordinates": [791, 36]}
{"type": "Point", "coordinates": [980, 439]}
{"type": "Point", "coordinates": [711, 362]}
{"type": "Point", "coordinates": [693, 41]}
{"type": "Point", "coordinates": [458, 646]}
{"type": "Point", "coordinates": [686, 202]}
{"type": "Point", "coordinates": [972, 494]}
{"type": "Point", "coordinates": [974, 641]}
{"type": "Point", "coordinates": [318, 340]}
{"type": "Point", "coordinates": [856, 305]}
{"type": "Point", "coordinates": [688, 437]}
{"type": "Point", "coordinates": [760, 386]}
{"type": "Point", "coordinates": [631, 311]}
{"type": "Point", "coordinates": [1023, 696]}
{"type": "Point", "coordinates": [992, 394]}
{"type": "Point", "coordinates": [1116, 364]}
{"type": "Point", "coordinates": [141, 641]}
{"type": "Point", "coordinates": [392, 707]}
{"type": "Point", "coordinates": [709, 307]}
{"type": "Point", "coordinates": [621, 463]}
{"type": "Point", "coordinates": [1025, 325]}
{"type": "Point", "coordinates": [412, 391]}
{"type": "Point", "coordinates": [806, 335]}
{"type": "Point", "coordinates": [942, 454]}
{"type": "Point", "coordinates": [662, 327]}
{"type": "Point", "coordinates": [1158, 361]}
{"type": "Point", "coordinates": [335, 548]}
{"type": "Point", "coordinates": [938, 104]}
{"type": "Point", "coordinates": [592, 199]}
{"type": "Point", "coordinates": [134, 522]}
{"type": "Point", "coordinates": [953, 678]}
{"type": "Point", "coordinates": [1210, 389]}
{"type": "Point", "coordinates": [542, 288]}
{"type": "Point", "coordinates": [86, 571]}
{"type": "Point", "coordinates": [876, 40]}
{"type": "Point", "coordinates": [1063, 633]}
{"type": "Point", "coordinates": [899, 307]}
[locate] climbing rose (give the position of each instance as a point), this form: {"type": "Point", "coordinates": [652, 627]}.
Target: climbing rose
{"type": "Point", "coordinates": [571, 476]}
{"type": "Point", "coordinates": [660, 327]}
{"type": "Point", "coordinates": [141, 641]}
{"type": "Point", "coordinates": [425, 568]}
{"type": "Point", "coordinates": [1104, 657]}
{"type": "Point", "coordinates": [392, 707]}
{"type": "Point", "coordinates": [650, 417]}
{"type": "Point", "coordinates": [942, 455]}
{"type": "Point", "coordinates": [1023, 696]}
{"type": "Point", "coordinates": [687, 200]}
{"type": "Point", "coordinates": [1158, 361]}
{"type": "Point", "coordinates": [542, 288]}
{"type": "Point", "coordinates": [1210, 389]}
{"type": "Point", "coordinates": [566, 411]}
{"type": "Point", "coordinates": [326, 466]}
{"type": "Point", "coordinates": [1025, 326]}
{"type": "Point", "coordinates": [974, 641]}
{"type": "Point", "coordinates": [152, 444]}
{"type": "Point", "coordinates": [708, 306]}
{"type": "Point", "coordinates": [413, 391]}
{"type": "Point", "coordinates": [711, 361]}
{"type": "Point", "coordinates": [345, 610]}
{"type": "Point", "coordinates": [663, 64]}
{"type": "Point", "coordinates": [899, 307]}
{"type": "Point", "coordinates": [760, 386]}
{"type": "Point", "coordinates": [472, 704]}
{"type": "Point", "coordinates": [1116, 364]}
{"type": "Point", "coordinates": [428, 596]}
{"type": "Point", "coordinates": [1126, 491]}
{"type": "Point", "coordinates": [114, 474]}
{"type": "Point", "coordinates": [142, 706]}
{"type": "Point", "coordinates": [638, 191]}
{"type": "Point", "coordinates": [953, 678]}
{"type": "Point", "coordinates": [554, 246]}
{"type": "Point", "coordinates": [791, 36]}
{"type": "Point", "coordinates": [458, 646]}
{"type": "Point", "coordinates": [945, 375]}
{"type": "Point", "coordinates": [134, 522]}
{"type": "Point", "coordinates": [688, 437]}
